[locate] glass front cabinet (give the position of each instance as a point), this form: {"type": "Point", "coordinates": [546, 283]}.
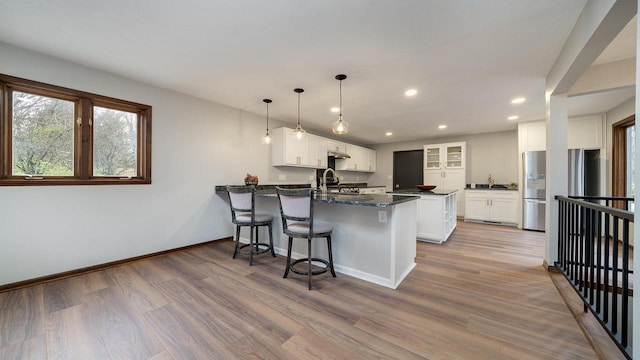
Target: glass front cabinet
{"type": "Point", "coordinates": [444, 156]}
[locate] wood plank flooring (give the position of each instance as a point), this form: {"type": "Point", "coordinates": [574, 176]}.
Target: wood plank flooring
{"type": "Point", "coordinates": [481, 295]}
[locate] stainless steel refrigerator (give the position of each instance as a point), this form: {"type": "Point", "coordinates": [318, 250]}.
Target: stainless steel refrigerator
{"type": "Point", "coordinates": [534, 190]}
{"type": "Point", "coordinates": [584, 172]}
{"type": "Point", "coordinates": [583, 180]}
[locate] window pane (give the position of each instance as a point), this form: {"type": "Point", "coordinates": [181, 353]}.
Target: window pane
{"type": "Point", "coordinates": [115, 136]}
{"type": "Point", "coordinates": [42, 130]}
{"type": "Point", "coordinates": [631, 156]}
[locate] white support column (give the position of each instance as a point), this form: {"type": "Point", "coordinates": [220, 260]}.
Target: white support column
{"type": "Point", "coordinates": [557, 168]}
{"type": "Point", "coordinates": [635, 341]}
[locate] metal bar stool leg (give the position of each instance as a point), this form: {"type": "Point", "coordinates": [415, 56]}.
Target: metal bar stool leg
{"type": "Point", "coordinates": [286, 272]}
{"type": "Point", "coordinates": [330, 256]}
{"type": "Point", "coordinates": [251, 246]}
{"type": "Point", "coordinates": [235, 250]}
{"type": "Point", "coordinates": [309, 260]}
{"type": "Point", "coordinates": [271, 239]}
{"type": "Point", "coordinates": [257, 238]}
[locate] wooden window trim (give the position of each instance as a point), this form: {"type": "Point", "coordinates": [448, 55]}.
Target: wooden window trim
{"type": "Point", "coordinates": [619, 158]}
{"type": "Point", "coordinates": [83, 135]}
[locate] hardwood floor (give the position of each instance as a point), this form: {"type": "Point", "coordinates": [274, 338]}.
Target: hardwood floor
{"type": "Point", "coordinates": [481, 295]}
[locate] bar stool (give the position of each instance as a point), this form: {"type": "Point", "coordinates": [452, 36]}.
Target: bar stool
{"type": "Point", "coordinates": [296, 209]}
{"type": "Point", "coordinates": [242, 200]}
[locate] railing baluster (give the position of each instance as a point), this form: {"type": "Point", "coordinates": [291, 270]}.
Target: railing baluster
{"type": "Point", "coordinates": [614, 277]}
{"type": "Point", "coordinates": [593, 264]}
{"type": "Point", "coordinates": [605, 310]}
{"type": "Point", "coordinates": [588, 257]}
{"type": "Point", "coordinates": [625, 282]}
{"type": "Point", "coordinates": [598, 260]}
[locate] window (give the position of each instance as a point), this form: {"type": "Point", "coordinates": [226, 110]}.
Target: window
{"type": "Point", "coordinates": [51, 135]}
{"type": "Point", "coordinates": [623, 169]}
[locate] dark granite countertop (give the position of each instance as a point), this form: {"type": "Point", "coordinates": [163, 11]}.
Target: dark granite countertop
{"type": "Point", "coordinates": [375, 200]}
{"type": "Point", "coordinates": [498, 188]}
{"type": "Point", "coordinates": [436, 191]}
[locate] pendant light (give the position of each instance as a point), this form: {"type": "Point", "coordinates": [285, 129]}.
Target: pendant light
{"type": "Point", "coordinates": [300, 133]}
{"type": "Point", "coordinates": [340, 127]}
{"type": "Point", "coordinates": [266, 139]}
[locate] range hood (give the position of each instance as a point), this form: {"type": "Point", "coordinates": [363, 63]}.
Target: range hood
{"type": "Point", "coordinates": [338, 154]}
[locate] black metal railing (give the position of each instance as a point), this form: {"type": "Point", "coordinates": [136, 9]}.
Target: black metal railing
{"type": "Point", "coordinates": [594, 256]}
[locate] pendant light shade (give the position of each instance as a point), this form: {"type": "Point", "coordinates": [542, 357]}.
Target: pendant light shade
{"type": "Point", "coordinates": [300, 133]}
{"type": "Point", "coordinates": [340, 127]}
{"type": "Point", "coordinates": [266, 139]}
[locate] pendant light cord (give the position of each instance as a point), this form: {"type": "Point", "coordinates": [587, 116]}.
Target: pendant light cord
{"type": "Point", "coordinates": [298, 109]}
{"type": "Point", "coordinates": [340, 100]}
{"type": "Point", "coordinates": [267, 117]}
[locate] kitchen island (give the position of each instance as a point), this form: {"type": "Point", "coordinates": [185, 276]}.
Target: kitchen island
{"type": "Point", "coordinates": [436, 213]}
{"type": "Point", "coordinates": [374, 235]}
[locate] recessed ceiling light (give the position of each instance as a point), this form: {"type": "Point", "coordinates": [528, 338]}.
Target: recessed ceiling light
{"type": "Point", "coordinates": [442, 127]}
{"type": "Point", "coordinates": [513, 117]}
{"type": "Point", "coordinates": [519, 100]}
{"type": "Point", "coordinates": [411, 92]}
{"type": "Point", "coordinates": [335, 109]}
{"type": "Point", "coordinates": [388, 133]}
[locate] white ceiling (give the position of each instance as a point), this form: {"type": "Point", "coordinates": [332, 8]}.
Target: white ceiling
{"type": "Point", "coordinates": [466, 58]}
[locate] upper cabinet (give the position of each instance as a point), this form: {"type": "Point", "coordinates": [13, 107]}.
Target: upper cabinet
{"type": "Point", "coordinates": [361, 160]}
{"type": "Point", "coordinates": [317, 151]}
{"type": "Point", "coordinates": [310, 151]}
{"type": "Point", "coordinates": [445, 156]}
{"type": "Point", "coordinates": [337, 146]}
{"type": "Point", "coordinates": [583, 132]}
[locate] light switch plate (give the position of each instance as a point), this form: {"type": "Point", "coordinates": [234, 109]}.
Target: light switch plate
{"type": "Point", "coordinates": [282, 177]}
{"type": "Point", "coordinates": [311, 177]}
{"type": "Point", "coordinates": [382, 216]}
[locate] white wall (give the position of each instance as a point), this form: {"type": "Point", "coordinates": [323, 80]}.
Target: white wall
{"type": "Point", "coordinates": [490, 153]}
{"type": "Point", "coordinates": [196, 144]}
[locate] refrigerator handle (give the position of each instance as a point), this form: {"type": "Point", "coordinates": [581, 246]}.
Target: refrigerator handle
{"type": "Point", "coordinates": [535, 201]}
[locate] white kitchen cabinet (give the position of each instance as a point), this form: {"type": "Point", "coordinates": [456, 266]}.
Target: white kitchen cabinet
{"type": "Point", "coordinates": [373, 190]}
{"type": "Point", "coordinates": [532, 136]}
{"type": "Point", "coordinates": [436, 218]}
{"type": "Point", "coordinates": [445, 167]}
{"type": "Point", "coordinates": [372, 159]}
{"type": "Point", "coordinates": [360, 160]}
{"type": "Point", "coordinates": [584, 132]}
{"type": "Point", "coordinates": [449, 179]}
{"type": "Point", "coordinates": [287, 150]}
{"type": "Point", "coordinates": [338, 146]}
{"type": "Point", "coordinates": [312, 152]}
{"type": "Point", "coordinates": [317, 147]}
{"type": "Point", "coordinates": [445, 156]}
{"type": "Point", "coordinates": [499, 206]}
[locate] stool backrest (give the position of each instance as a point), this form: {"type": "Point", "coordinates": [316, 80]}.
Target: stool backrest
{"type": "Point", "coordinates": [296, 205]}
{"type": "Point", "coordinates": [242, 201]}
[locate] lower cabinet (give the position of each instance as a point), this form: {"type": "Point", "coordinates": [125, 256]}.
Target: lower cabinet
{"type": "Point", "coordinates": [373, 190]}
{"type": "Point", "coordinates": [436, 217]}
{"type": "Point", "coordinates": [499, 206]}
{"type": "Point", "coordinates": [450, 179]}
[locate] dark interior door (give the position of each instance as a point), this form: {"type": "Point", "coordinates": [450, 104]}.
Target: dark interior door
{"type": "Point", "coordinates": [407, 169]}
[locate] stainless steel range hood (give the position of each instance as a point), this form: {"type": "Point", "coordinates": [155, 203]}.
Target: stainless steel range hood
{"type": "Point", "coordinates": [338, 154]}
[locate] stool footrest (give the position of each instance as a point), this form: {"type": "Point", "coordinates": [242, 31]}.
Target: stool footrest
{"type": "Point", "coordinates": [306, 272]}
{"type": "Point", "coordinates": [261, 250]}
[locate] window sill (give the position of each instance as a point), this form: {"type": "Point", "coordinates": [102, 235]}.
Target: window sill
{"type": "Point", "coordinates": [53, 182]}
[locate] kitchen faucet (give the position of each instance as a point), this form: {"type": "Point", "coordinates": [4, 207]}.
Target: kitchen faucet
{"type": "Point", "coordinates": [323, 185]}
{"type": "Point", "coordinates": [490, 181]}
